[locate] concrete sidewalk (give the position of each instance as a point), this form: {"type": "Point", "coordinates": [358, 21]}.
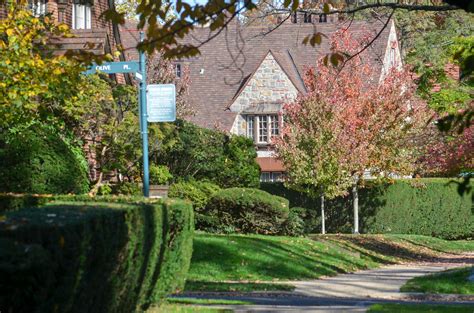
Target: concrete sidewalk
{"type": "Point", "coordinates": [381, 283]}
{"type": "Point", "coordinates": [353, 292]}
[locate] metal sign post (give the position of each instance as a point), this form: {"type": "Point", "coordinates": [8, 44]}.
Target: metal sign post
{"type": "Point", "coordinates": [139, 68]}
{"type": "Point", "coordinates": [143, 121]}
{"type": "Point", "coordinates": [162, 102]}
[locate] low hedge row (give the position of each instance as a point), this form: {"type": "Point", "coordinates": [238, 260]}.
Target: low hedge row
{"type": "Point", "coordinates": [245, 210]}
{"type": "Point", "coordinates": [84, 255]}
{"type": "Point", "coordinates": [429, 207]}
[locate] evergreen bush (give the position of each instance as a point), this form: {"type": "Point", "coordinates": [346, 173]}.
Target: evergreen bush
{"type": "Point", "coordinates": [195, 153]}
{"type": "Point", "coordinates": [83, 255]}
{"type": "Point", "coordinates": [38, 159]}
{"type": "Point", "coordinates": [246, 210]}
{"type": "Point", "coordinates": [426, 206]}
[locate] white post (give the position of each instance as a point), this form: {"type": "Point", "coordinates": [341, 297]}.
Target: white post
{"type": "Point", "coordinates": [323, 218]}
{"type": "Point", "coordinates": [355, 196]}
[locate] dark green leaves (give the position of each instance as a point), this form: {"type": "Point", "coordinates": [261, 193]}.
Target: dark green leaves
{"type": "Point", "coordinates": [314, 39]}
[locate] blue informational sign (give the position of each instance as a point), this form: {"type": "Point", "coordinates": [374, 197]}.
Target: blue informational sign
{"type": "Point", "coordinates": [114, 67]}
{"type": "Point", "coordinates": [161, 102]}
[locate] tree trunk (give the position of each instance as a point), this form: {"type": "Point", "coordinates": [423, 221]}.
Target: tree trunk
{"type": "Point", "coordinates": [323, 218]}
{"type": "Point", "coordinates": [355, 196]}
{"type": "Point", "coordinates": [95, 189]}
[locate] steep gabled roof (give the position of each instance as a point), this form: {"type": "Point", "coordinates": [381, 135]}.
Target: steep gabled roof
{"type": "Point", "coordinates": [285, 62]}
{"type": "Point", "coordinates": [228, 61]}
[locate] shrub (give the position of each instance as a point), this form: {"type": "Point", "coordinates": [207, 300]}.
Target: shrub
{"type": "Point", "coordinates": [160, 175]}
{"type": "Point", "coordinates": [294, 225]}
{"type": "Point", "coordinates": [193, 152]}
{"type": "Point", "coordinates": [127, 189]}
{"type": "Point", "coordinates": [13, 202]}
{"type": "Point", "coordinates": [246, 210]}
{"type": "Point", "coordinates": [428, 206]}
{"type": "Point", "coordinates": [199, 193]}
{"type": "Point", "coordinates": [94, 256]}
{"type": "Point", "coordinates": [39, 160]}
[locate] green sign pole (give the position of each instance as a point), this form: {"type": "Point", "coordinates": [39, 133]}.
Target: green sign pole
{"type": "Point", "coordinates": [143, 121]}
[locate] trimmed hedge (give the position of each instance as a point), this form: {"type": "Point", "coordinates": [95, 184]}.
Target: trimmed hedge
{"type": "Point", "coordinates": [93, 256]}
{"type": "Point", "coordinates": [429, 207]}
{"type": "Point", "coordinates": [246, 210]}
{"type": "Point", "coordinates": [13, 202]}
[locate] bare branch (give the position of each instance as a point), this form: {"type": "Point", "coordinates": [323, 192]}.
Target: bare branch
{"type": "Point", "coordinates": [393, 5]}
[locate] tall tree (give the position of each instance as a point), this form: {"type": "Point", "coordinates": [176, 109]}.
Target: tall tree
{"type": "Point", "coordinates": [347, 125]}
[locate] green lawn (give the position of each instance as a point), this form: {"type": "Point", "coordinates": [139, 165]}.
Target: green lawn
{"type": "Point", "coordinates": [181, 308]}
{"type": "Point", "coordinates": [451, 281]}
{"type": "Point", "coordinates": [258, 258]}
{"type": "Point", "coordinates": [206, 301]}
{"type": "Point", "coordinates": [419, 308]}
{"type": "Point", "coordinates": [192, 285]}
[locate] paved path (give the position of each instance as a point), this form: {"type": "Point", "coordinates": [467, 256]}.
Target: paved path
{"type": "Point", "coordinates": [348, 292]}
{"type": "Point", "coordinates": [381, 283]}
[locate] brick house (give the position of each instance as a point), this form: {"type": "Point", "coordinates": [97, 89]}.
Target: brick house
{"type": "Point", "coordinates": [242, 78]}
{"type": "Point", "coordinates": [91, 31]}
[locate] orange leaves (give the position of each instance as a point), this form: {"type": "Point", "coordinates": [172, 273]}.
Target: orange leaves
{"type": "Point", "coordinates": [349, 122]}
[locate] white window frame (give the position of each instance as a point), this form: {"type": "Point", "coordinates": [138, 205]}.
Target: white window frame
{"type": "Point", "coordinates": [392, 57]}
{"type": "Point", "coordinates": [250, 127]}
{"type": "Point", "coordinates": [86, 10]}
{"type": "Point", "coordinates": [265, 177]}
{"type": "Point", "coordinates": [262, 129]}
{"type": "Point", "coordinates": [274, 123]}
{"type": "Point", "coordinates": [38, 7]}
{"type": "Point", "coordinates": [271, 177]}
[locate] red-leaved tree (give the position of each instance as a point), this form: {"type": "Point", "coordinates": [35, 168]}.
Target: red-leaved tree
{"type": "Point", "coordinates": [448, 154]}
{"type": "Point", "coordinates": [351, 121]}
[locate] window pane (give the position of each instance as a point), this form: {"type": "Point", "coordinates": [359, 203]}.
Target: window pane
{"type": "Point", "coordinates": [275, 129]}
{"type": "Point", "coordinates": [265, 177]}
{"type": "Point", "coordinates": [276, 176]}
{"type": "Point", "coordinates": [250, 131]}
{"type": "Point", "coordinates": [38, 7]}
{"type": "Point", "coordinates": [82, 18]}
{"type": "Point", "coordinates": [87, 9]}
{"type": "Point", "coordinates": [262, 128]}
{"type": "Point", "coordinates": [79, 16]}
{"type": "Point", "coordinates": [178, 70]}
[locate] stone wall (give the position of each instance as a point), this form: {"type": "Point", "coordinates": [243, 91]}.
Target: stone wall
{"type": "Point", "coordinates": [268, 86]}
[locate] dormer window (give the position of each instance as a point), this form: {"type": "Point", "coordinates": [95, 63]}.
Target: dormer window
{"type": "Point", "coordinates": [82, 16]}
{"type": "Point", "coordinates": [307, 17]}
{"type": "Point", "coordinates": [178, 70]}
{"type": "Point", "coordinates": [38, 7]}
{"type": "Point", "coordinates": [294, 18]}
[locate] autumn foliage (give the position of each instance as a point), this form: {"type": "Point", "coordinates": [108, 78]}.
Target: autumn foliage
{"type": "Point", "coordinates": [351, 120]}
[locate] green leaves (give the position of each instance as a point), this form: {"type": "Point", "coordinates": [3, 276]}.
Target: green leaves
{"type": "Point", "coordinates": [314, 39]}
{"type": "Point", "coordinates": [32, 81]}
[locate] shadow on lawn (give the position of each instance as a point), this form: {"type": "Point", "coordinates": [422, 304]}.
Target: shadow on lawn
{"type": "Point", "coordinates": [379, 245]}
{"type": "Point", "coordinates": [257, 258]}
{"type": "Point", "coordinates": [196, 285]}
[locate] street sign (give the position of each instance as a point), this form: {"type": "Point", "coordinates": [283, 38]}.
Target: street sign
{"type": "Point", "coordinates": [114, 67]}
{"type": "Point", "coordinates": [161, 101]}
